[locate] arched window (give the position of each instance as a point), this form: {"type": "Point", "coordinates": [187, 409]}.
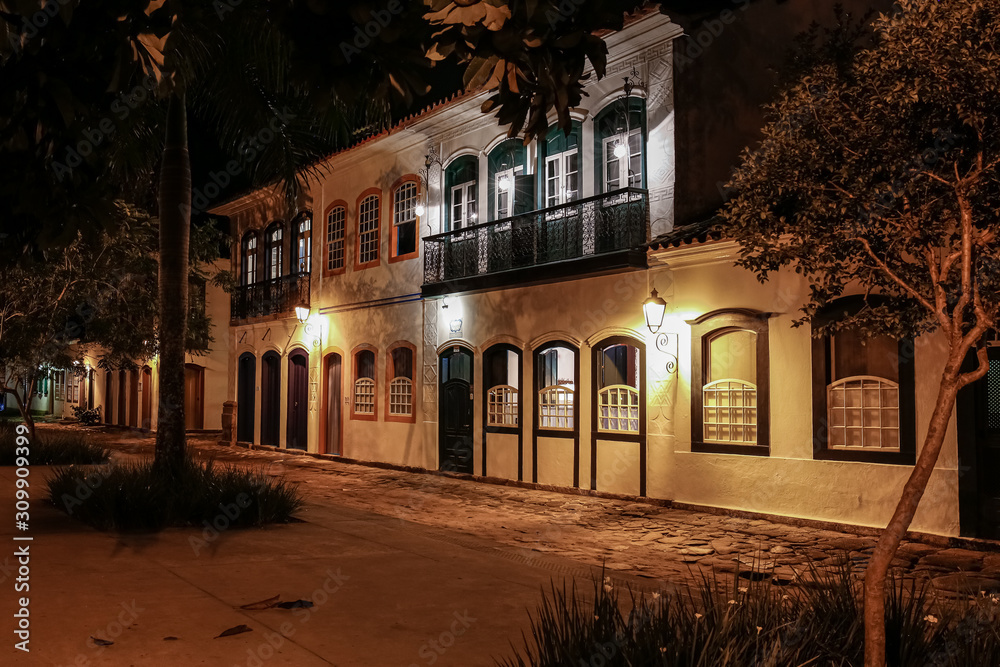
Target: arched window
{"type": "Point", "coordinates": [248, 269]}
{"type": "Point", "coordinates": [461, 181]}
{"type": "Point", "coordinates": [502, 377]}
{"type": "Point", "coordinates": [555, 378]}
{"type": "Point", "coordinates": [273, 247]}
{"type": "Point", "coordinates": [400, 376]}
{"type": "Point", "coordinates": [335, 221]}
{"type": "Point", "coordinates": [620, 145]}
{"type": "Point", "coordinates": [364, 384]}
{"type": "Point", "coordinates": [730, 383]}
{"type": "Point", "coordinates": [303, 245]}
{"type": "Point", "coordinates": [404, 219]}
{"type": "Point", "coordinates": [368, 230]}
{"type": "Point", "coordinates": [618, 388]}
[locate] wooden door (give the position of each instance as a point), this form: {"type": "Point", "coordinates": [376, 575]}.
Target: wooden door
{"type": "Point", "coordinates": [133, 408]}
{"type": "Point", "coordinates": [456, 409]}
{"type": "Point", "coordinates": [122, 388]}
{"type": "Point", "coordinates": [298, 400]}
{"type": "Point", "coordinates": [245, 397]}
{"type": "Point", "coordinates": [270, 399]}
{"type": "Point", "coordinates": [334, 402]}
{"type": "Point", "coordinates": [194, 404]}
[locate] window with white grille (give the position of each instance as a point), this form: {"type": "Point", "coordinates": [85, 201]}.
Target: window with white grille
{"type": "Point", "coordinates": [623, 161]}
{"type": "Point", "coordinates": [303, 248]}
{"type": "Point", "coordinates": [250, 259]}
{"type": "Point", "coordinates": [368, 229]}
{"type": "Point", "coordinates": [863, 413]}
{"type": "Point", "coordinates": [501, 406]}
{"type": "Point", "coordinates": [335, 238]}
{"type": "Point", "coordinates": [555, 408]}
{"type": "Point", "coordinates": [401, 386]}
{"type": "Point", "coordinates": [273, 257]}
{"type": "Point", "coordinates": [364, 383]}
{"type": "Point", "coordinates": [730, 412]}
{"type": "Point", "coordinates": [619, 409]}
{"type": "Point", "coordinates": [404, 219]}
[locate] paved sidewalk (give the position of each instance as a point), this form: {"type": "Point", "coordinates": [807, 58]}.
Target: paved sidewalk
{"type": "Point", "coordinates": [404, 569]}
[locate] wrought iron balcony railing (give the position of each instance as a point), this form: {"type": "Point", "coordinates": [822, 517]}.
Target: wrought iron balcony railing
{"type": "Point", "coordinates": [270, 297]}
{"type": "Point", "coordinates": [599, 225]}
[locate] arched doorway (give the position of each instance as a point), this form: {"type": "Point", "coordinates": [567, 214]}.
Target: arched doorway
{"type": "Point", "coordinates": [194, 402]}
{"type": "Point", "coordinates": [333, 400]}
{"type": "Point", "coordinates": [245, 395]}
{"type": "Point", "coordinates": [298, 400]}
{"type": "Point", "coordinates": [455, 439]}
{"type": "Point", "coordinates": [270, 398]}
{"type": "Point", "coordinates": [147, 398]}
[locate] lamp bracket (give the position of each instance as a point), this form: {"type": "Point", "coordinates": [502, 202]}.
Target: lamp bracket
{"type": "Point", "coordinates": [667, 344]}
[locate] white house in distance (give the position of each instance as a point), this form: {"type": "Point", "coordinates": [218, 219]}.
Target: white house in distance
{"type": "Point", "coordinates": [450, 299]}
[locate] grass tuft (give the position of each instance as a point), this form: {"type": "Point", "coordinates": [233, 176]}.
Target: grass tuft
{"type": "Point", "coordinates": [133, 497]}
{"type": "Point", "coordinates": [48, 448]}
{"type": "Point", "coordinates": [757, 624]}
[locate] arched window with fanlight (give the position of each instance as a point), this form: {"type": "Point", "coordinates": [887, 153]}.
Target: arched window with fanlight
{"type": "Point", "coordinates": [502, 378]}
{"type": "Point", "coordinates": [620, 145]}
{"type": "Point", "coordinates": [556, 382]}
{"type": "Point", "coordinates": [618, 386]}
{"type": "Point", "coordinates": [730, 383]}
{"type": "Point", "coordinates": [400, 359]}
{"type": "Point", "coordinates": [510, 187]}
{"type": "Point", "coordinates": [461, 187]}
{"type": "Point", "coordinates": [365, 400]}
{"type": "Point", "coordinates": [863, 391]}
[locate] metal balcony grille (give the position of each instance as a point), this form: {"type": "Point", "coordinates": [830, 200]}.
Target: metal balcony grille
{"type": "Point", "coordinates": [607, 223]}
{"type": "Point", "coordinates": [270, 297]}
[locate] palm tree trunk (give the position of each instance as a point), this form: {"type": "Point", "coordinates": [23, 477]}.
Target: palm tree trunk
{"type": "Point", "coordinates": [175, 230]}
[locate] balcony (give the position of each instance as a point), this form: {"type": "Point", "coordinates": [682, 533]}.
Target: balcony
{"type": "Point", "coordinates": [598, 234]}
{"type": "Point", "coordinates": [270, 297]}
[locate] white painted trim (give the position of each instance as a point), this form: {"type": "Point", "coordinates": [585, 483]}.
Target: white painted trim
{"type": "Point", "coordinates": [551, 336]}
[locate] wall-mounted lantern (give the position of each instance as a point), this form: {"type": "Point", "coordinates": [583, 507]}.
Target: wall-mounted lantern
{"type": "Point", "coordinates": [430, 159]}
{"type": "Point", "coordinates": [302, 313]}
{"type": "Point", "coordinates": [653, 308]}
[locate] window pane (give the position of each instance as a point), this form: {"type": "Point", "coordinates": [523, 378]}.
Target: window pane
{"type": "Point", "coordinates": [556, 366]}
{"type": "Point", "coordinates": [402, 363]}
{"type": "Point", "coordinates": [366, 364]}
{"type": "Point", "coordinates": [732, 356]}
{"type": "Point", "coordinates": [335, 239]}
{"type": "Point", "coordinates": [619, 366]}
{"type": "Point", "coordinates": [853, 356]}
{"type": "Point", "coordinates": [368, 219]}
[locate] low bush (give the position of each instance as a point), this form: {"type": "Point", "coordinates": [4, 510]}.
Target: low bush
{"type": "Point", "coordinates": [756, 624]}
{"type": "Point", "coordinates": [87, 417]}
{"type": "Point", "coordinates": [135, 497]}
{"type": "Point", "coordinates": [51, 448]}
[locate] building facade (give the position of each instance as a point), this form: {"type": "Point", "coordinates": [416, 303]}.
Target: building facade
{"type": "Point", "coordinates": [449, 298]}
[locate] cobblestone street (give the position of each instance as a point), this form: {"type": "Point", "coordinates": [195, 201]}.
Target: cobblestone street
{"type": "Point", "coordinates": [663, 544]}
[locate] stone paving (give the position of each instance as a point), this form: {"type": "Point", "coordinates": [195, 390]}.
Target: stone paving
{"type": "Point", "coordinates": [644, 540]}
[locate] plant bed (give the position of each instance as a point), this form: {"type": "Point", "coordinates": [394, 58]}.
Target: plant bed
{"type": "Point", "coordinates": [134, 497]}
{"type": "Point", "coordinates": [51, 448]}
{"type": "Point", "coordinates": [756, 624]}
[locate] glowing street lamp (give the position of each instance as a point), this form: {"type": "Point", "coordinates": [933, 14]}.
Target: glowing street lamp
{"type": "Point", "coordinates": [302, 313]}
{"type": "Point", "coordinates": [654, 307]}
{"type": "Point", "coordinates": [620, 150]}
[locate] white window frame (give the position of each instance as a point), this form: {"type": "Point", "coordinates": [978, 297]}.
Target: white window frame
{"type": "Point", "coordinates": [364, 396]}
{"type": "Point", "coordinates": [404, 211]}
{"type": "Point", "coordinates": [401, 397]}
{"type": "Point", "coordinates": [512, 174]}
{"type": "Point", "coordinates": [250, 259]}
{"type": "Point", "coordinates": [501, 406]}
{"type": "Point", "coordinates": [467, 206]}
{"type": "Point", "coordinates": [303, 238]}
{"type": "Point", "coordinates": [335, 246]}
{"type": "Point", "coordinates": [866, 408]}
{"type": "Point", "coordinates": [562, 195]}
{"type": "Point", "coordinates": [273, 242]}
{"type": "Point", "coordinates": [369, 216]}
{"type": "Point", "coordinates": [613, 412]}
{"type": "Point", "coordinates": [633, 180]}
{"type": "Point", "coordinates": [730, 415]}
{"type": "Point", "coordinates": [555, 408]}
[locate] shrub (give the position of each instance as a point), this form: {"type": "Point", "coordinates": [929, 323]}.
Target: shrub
{"type": "Point", "coordinates": [134, 497]}
{"type": "Point", "coordinates": [87, 417]}
{"type": "Point", "coordinates": [756, 624]}
{"type": "Point", "coordinates": [51, 448]}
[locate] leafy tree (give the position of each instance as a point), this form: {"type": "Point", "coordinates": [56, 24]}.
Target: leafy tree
{"type": "Point", "coordinates": [98, 291]}
{"type": "Point", "coordinates": [880, 173]}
